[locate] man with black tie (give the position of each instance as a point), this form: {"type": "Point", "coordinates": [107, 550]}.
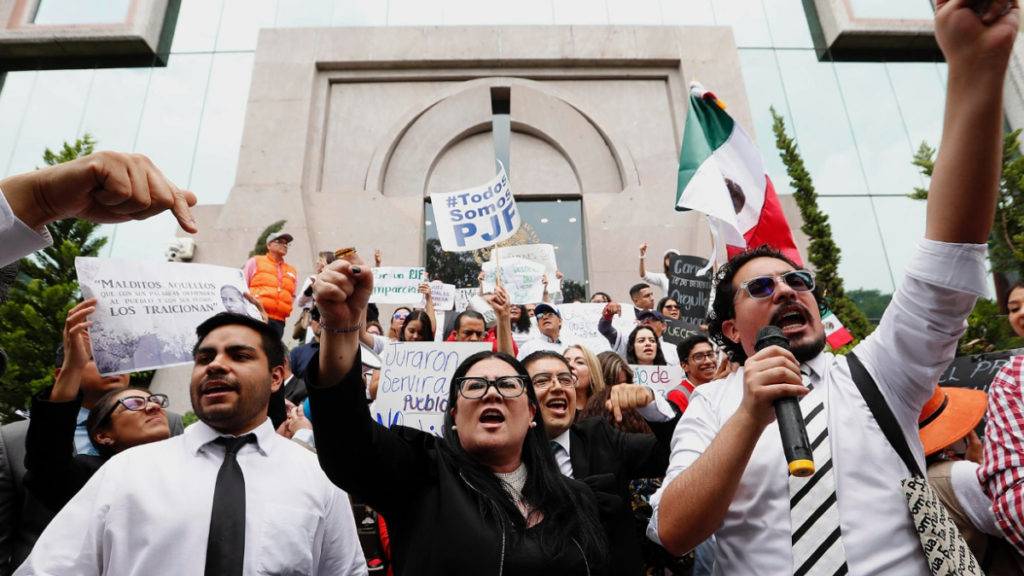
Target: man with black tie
{"type": "Point", "coordinates": [208, 501]}
{"type": "Point", "coordinates": [606, 458]}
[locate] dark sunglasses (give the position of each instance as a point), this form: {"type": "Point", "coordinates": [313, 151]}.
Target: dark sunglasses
{"type": "Point", "coordinates": [764, 286]}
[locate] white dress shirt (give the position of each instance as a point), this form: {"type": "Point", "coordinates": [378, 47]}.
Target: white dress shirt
{"type": "Point", "coordinates": [908, 351]}
{"type": "Point", "coordinates": [562, 456]}
{"type": "Point", "coordinates": [146, 512]}
{"type": "Point", "coordinates": [16, 238]}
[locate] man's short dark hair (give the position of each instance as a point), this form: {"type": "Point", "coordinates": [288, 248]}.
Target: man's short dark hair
{"type": "Point", "coordinates": [272, 345]}
{"type": "Point", "coordinates": [637, 288]}
{"type": "Point", "coordinates": [541, 355]}
{"type": "Point", "coordinates": [686, 346]}
{"type": "Point", "coordinates": [723, 308]}
{"type": "Point", "coordinates": [468, 314]}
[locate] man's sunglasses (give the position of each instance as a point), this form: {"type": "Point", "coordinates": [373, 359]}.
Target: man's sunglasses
{"type": "Point", "coordinates": [764, 286]}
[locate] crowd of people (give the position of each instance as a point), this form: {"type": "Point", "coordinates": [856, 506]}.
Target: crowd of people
{"type": "Point", "coordinates": [551, 460]}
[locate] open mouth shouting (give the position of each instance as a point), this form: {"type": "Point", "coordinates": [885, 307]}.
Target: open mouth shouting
{"type": "Point", "coordinates": [492, 418]}
{"type": "Point", "coordinates": [792, 318]}
{"type": "Point", "coordinates": [557, 407]}
{"type": "Point", "coordinates": [215, 390]}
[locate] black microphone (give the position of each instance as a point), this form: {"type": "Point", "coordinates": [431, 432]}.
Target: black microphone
{"type": "Point", "coordinates": [788, 414]}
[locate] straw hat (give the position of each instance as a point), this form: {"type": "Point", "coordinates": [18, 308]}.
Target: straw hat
{"type": "Point", "coordinates": [949, 415]}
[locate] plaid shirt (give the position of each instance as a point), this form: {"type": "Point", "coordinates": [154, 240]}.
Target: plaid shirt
{"type": "Point", "coordinates": [1002, 471]}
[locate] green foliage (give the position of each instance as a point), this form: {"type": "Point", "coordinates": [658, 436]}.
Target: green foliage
{"type": "Point", "coordinates": [823, 253]}
{"type": "Point", "coordinates": [987, 329]}
{"type": "Point", "coordinates": [261, 243]}
{"type": "Point", "coordinates": [32, 318]}
{"type": "Point", "coordinates": [573, 291]}
{"type": "Point", "coordinates": [871, 302]}
{"type": "Point", "coordinates": [189, 418]}
{"type": "Point", "coordinates": [458, 268]}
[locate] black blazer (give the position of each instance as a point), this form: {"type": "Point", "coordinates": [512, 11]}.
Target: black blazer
{"type": "Point", "coordinates": [434, 516]}
{"type": "Point", "coordinates": [607, 459]}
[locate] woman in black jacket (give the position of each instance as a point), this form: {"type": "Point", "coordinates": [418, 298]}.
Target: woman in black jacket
{"type": "Point", "coordinates": [486, 498]}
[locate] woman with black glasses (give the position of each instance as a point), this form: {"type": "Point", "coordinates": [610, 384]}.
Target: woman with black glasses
{"type": "Point", "coordinates": [484, 498]}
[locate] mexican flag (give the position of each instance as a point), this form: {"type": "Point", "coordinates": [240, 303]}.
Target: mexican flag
{"type": "Point", "coordinates": [722, 175]}
{"type": "Point", "coordinates": [836, 334]}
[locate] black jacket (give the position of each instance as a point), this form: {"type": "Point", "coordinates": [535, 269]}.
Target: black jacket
{"type": "Point", "coordinates": [434, 515]}
{"type": "Point", "coordinates": [607, 459]}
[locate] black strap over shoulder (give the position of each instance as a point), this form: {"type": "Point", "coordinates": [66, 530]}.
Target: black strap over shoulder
{"type": "Point", "coordinates": [882, 413]}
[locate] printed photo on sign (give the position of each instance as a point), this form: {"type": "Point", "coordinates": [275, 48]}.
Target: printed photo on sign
{"type": "Point", "coordinates": [414, 382]}
{"type": "Point", "coordinates": [397, 285]}
{"type": "Point", "coordinates": [540, 253]}
{"type": "Point", "coordinates": [691, 291]}
{"type": "Point", "coordinates": [463, 296]}
{"type": "Point", "coordinates": [478, 217]}
{"type": "Point", "coordinates": [147, 311]}
{"type": "Point", "coordinates": [522, 279]}
{"type": "Point", "coordinates": [579, 325]}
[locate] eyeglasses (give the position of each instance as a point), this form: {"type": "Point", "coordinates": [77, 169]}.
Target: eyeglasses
{"type": "Point", "coordinates": [136, 403]}
{"type": "Point", "coordinates": [700, 356]}
{"type": "Point", "coordinates": [764, 286]}
{"type": "Point", "coordinates": [473, 387]}
{"type": "Point", "coordinates": [400, 315]}
{"type": "Point", "coordinates": [543, 315]}
{"type": "Point", "coordinates": [546, 380]}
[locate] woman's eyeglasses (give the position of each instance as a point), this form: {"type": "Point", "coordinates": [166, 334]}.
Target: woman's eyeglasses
{"type": "Point", "coordinates": [473, 387]}
{"type": "Point", "coordinates": [764, 286]}
{"type": "Point", "coordinates": [136, 403]}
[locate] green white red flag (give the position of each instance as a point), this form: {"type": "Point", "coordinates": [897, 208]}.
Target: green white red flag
{"type": "Point", "coordinates": [836, 334]}
{"type": "Point", "coordinates": [722, 175]}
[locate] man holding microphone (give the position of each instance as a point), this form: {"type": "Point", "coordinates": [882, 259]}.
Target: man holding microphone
{"type": "Point", "coordinates": [728, 474]}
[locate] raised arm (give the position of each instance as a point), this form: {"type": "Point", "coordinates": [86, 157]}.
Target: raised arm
{"type": "Point", "coordinates": [499, 303]}
{"type": "Point", "coordinates": [965, 182]}
{"type": "Point", "coordinates": [428, 307]}
{"type": "Point", "coordinates": [643, 254]}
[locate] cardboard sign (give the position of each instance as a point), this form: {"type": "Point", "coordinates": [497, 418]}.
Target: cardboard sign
{"type": "Point", "coordinates": [579, 325]}
{"type": "Point", "coordinates": [414, 382]}
{"type": "Point", "coordinates": [660, 378]}
{"type": "Point", "coordinates": [397, 285]}
{"type": "Point", "coordinates": [692, 292]}
{"type": "Point", "coordinates": [147, 311]}
{"type": "Point", "coordinates": [478, 217]}
{"type": "Point", "coordinates": [543, 254]}
{"type": "Point", "coordinates": [463, 297]}
{"type": "Point", "coordinates": [976, 371]}
{"type": "Point", "coordinates": [522, 279]}
{"type": "Point", "coordinates": [443, 296]}
{"type": "Point", "coordinates": [677, 330]}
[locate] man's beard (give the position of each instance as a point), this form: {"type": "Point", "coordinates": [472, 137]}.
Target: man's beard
{"type": "Point", "coordinates": [808, 350]}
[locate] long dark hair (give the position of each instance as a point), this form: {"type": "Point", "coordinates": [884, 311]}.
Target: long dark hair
{"type": "Point", "coordinates": [522, 326]}
{"type": "Point", "coordinates": [567, 517]}
{"type": "Point", "coordinates": [99, 417]}
{"type": "Point", "coordinates": [659, 356]}
{"type": "Point", "coordinates": [426, 334]}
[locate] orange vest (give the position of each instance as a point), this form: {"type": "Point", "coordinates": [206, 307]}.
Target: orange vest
{"type": "Point", "coordinates": [274, 285]}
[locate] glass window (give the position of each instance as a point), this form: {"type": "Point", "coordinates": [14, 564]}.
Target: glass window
{"type": "Point", "coordinates": [764, 90]}
{"type": "Point", "coordinates": [882, 140]}
{"type": "Point", "coordinates": [634, 12]}
{"type": "Point", "coordinates": [53, 116]}
{"type": "Point", "coordinates": [296, 13]}
{"type": "Point", "coordinates": [241, 21]}
{"type": "Point", "coordinates": [474, 12]}
{"type": "Point", "coordinates": [142, 239]}
{"type": "Point", "coordinates": [170, 119]}
{"type": "Point", "coordinates": [902, 223]}
{"type": "Point", "coordinates": [580, 12]}
{"type": "Point", "coordinates": [864, 262]}
{"type": "Point", "coordinates": [220, 131]}
{"type": "Point", "coordinates": [114, 108]}
{"type": "Point", "coordinates": [920, 90]}
{"type": "Point", "coordinates": [689, 13]}
{"type": "Point", "coordinates": [81, 11]}
{"type": "Point", "coordinates": [15, 94]}
{"type": "Point", "coordinates": [748, 22]}
{"type": "Point", "coordinates": [558, 222]}
{"type": "Point", "coordinates": [359, 13]}
{"type": "Point", "coordinates": [909, 9]}
{"type": "Point", "coordinates": [787, 23]}
{"type": "Point", "coordinates": [820, 123]}
{"type": "Point", "coordinates": [196, 28]}
{"type": "Point", "coordinates": [415, 13]}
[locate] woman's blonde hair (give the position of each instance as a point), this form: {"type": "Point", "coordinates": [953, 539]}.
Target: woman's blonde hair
{"type": "Point", "coordinates": [597, 384]}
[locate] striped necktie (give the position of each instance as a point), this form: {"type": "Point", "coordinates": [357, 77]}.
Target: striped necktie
{"type": "Point", "coordinates": [814, 511]}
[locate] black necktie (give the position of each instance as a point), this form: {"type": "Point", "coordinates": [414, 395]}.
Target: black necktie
{"type": "Point", "coordinates": [225, 548]}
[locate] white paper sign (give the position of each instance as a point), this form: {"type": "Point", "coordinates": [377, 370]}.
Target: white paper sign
{"type": "Point", "coordinates": [414, 382]}
{"type": "Point", "coordinates": [579, 325]}
{"type": "Point", "coordinates": [540, 253]}
{"type": "Point", "coordinates": [443, 296]}
{"type": "Point", "coordinates": [147, 311]}
{"type": "Point", "coordinates": [477, 217]}
{"type": "Point", "coordinates": [397, 285]}
{"type": "Point", "coordinates": [661, 379]}
{"type": "Point", "coordinates": [463, 297]}
{"type": "Point", "coordinates": [522, 279]}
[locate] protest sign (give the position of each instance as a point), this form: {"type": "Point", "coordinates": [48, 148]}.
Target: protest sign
{"type": "Point", "coordinates": [442, 294]}
{"type": "Point", "coordinates": [660, 378]}
{"type": "Point", "coordinates": [690, 290]}
{"type": "Point", "coordinates": [397, 285]}
{"type": "Point", "coordinates": [477, 217]}
{"type": "Point", "coordinates": [579, 325]}
{"type": "Point", "coordinates": [147, 311]}
{"type": "Point", "coordinates": [441, 317]}
{"type": "Point", "coordinates": [541, 254]}
{"type": "Point", "coordinates": [463, 296]}
{"type": "Point", "coordinates": [522, 279]}
{"type": "Point", "coordinates": [976, 371]}
{"type": "Point", "coordinates": [677, 330]}
{"type": "Point", "coordinates": [414, 381]}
